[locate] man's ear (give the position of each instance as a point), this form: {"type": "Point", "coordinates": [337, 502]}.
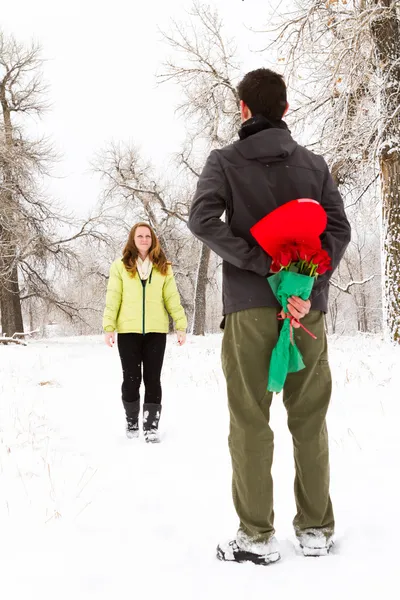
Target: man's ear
{"type": "Point", "coordinates": [286, 109]}
{"type": "Point", "coordinates": [245, 112]}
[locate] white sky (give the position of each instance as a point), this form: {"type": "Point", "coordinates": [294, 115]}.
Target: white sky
{"type": "Point", "coordinates": [101, 63]}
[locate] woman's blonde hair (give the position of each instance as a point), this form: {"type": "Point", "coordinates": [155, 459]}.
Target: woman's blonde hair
{"type": "Point", "coordinates": [156, 253]}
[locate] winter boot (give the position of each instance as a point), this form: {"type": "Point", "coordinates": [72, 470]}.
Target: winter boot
{"type": "Point", "coordinates": [132, 419]}
{"type": "Point", "coordinates": [151, 418]}
{"type": "Point", "coordinates": [242, 549]}
{"type": "Point", "coordinates": [315, 542]}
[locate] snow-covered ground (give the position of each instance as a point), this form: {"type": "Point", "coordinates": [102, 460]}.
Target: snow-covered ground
{"type": "Point", "coordinates": [86, 513]}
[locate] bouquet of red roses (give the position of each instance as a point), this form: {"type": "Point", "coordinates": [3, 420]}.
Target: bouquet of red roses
{"type": "Point", "coordinates": [300, 257]}
{"type": "Point", "coordinates": [290, 235]}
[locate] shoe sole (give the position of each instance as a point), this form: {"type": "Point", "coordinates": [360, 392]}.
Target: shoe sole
{"type": "Point", "coordinates": [242, 556]}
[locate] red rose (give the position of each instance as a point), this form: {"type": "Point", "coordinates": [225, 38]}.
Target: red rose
{"type": "Point", "coordinates": [307, 252]}
{"type": "Point", "coordinates": [323, 262]}
{"type": "Point", "coordinates": [323, 268]}
{"type": "Point", "coordinates": [275, 268]}
{"type": "Point", "coordinates": [294, 250]}
{"type": "Point", "coordinates": [284, 258]}
{"type": "Point", "coordinates": [321, 256]}
{"type": "Point", "coordinates": [290, 249]}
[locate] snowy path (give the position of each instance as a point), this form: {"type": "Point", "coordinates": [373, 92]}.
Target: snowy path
{"type": "Point", "coordinates": [86, 513]}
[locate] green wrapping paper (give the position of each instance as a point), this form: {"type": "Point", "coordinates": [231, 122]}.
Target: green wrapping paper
{"type": "Point", "coordinates": [286, 357]}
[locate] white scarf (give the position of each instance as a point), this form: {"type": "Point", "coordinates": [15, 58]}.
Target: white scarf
{"type": "Point", "coordinates": [144, 267]}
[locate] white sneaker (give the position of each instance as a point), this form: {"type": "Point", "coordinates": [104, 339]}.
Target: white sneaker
{"type": "Point", "coordinates": [314, 542]}
{"type": "Point", "coordinates": [130, 433]}
{"type": "Point", "coordinates": [242, 549]}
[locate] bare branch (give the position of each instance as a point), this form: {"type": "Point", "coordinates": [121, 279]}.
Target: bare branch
{"type": "Point", "coordinates": [349, 285]}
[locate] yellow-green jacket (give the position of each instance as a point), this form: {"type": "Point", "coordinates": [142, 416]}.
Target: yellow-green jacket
{"type": "Point", "coordinates": [134, 308]}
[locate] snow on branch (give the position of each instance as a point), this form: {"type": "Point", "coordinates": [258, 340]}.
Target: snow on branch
{"type": "Point", "coordinates": [25, 334]}
{"type": "Point", "coordinates": [346, 289]}
{"type": "Point", "coordinates": [16, 337]}
{"type": "Point", "coordinates": [12, 340]}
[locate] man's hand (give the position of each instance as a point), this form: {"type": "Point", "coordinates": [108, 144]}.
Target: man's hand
{"type": "Point", "coordinates": [109, 338]}
{"type": "Point", "coordinates": [298, 309]}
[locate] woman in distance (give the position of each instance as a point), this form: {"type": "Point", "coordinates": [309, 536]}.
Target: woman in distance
{"type": "Point", "coordinates": [141, 292]}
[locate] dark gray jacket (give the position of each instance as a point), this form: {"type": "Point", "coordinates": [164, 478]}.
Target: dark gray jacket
{"type": "Point", "coordinates": [246, 180]}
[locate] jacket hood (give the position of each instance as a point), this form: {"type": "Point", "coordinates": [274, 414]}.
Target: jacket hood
{"type": "Point", "coordinates": [271, 145]}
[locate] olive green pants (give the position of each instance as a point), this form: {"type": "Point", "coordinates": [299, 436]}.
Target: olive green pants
{"type": "Point", "coordinates": [249, 338]}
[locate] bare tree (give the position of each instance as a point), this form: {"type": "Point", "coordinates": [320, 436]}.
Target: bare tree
{"type": "Point", "coordinates": [343, 60]}
{"type": "Point", "coordinates": [132, 182]}
{"type": "Point", "coordinates": [19, 93]}
{"type": "Point", "coordinates": [36, 239]}
{"type": "Point", "coordinates": [204, 66]}
{"type": "Point", "coordinates": [134, 190]}
{"type": "Point", "coordinates": [385, 30]}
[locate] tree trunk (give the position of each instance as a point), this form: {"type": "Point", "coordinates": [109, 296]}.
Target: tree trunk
{"type": "Point", "coordinates": [200, 303]}
{"type": "Point", "coordinates": [362, 299]}
{"type": "Point", "coordinates": [10, 302]}
{"type": "Point", "coordinates": [390, 169]}
{"type": "Point", "coordinates": [31, 319]}
{"type": "Point", "coordinates": [386, 35]}
{"type": "Point", "coordinates": [333, 313]}
{"type": "Point", "coordinates": [10, 306]}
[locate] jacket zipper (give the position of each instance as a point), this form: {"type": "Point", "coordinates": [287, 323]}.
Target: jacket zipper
{"type": "Point", "coordinates": [144, 283]}
{"type": "Point", "coordinates": [144, 307]}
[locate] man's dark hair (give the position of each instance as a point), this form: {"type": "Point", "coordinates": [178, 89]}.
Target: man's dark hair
{"type": "Point", "coordinates": [264, 92]}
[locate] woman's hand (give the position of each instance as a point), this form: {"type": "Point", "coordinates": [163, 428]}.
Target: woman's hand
{"type": "Point", "coordinates": [181, 335]}
{"type": "Point", "coordinates": [109, 338]}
